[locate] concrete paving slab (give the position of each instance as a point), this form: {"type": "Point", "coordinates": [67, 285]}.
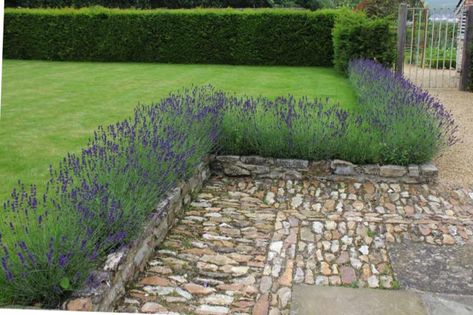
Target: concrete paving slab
{"type": "Point", "coordinates": [314, 300]}
{"type": "Point", "coordinates": [441, 304]}
{"type": "Point", "coordinates": [431, 268]}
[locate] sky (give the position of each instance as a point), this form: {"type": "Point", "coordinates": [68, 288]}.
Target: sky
{"type": "Point", "coordinates": [442, 9]}
{"type": "Point", "coordinates": [442, 3]}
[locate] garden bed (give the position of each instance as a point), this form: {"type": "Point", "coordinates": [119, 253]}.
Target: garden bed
{"type": "Point", "coordinates": [97, 202]}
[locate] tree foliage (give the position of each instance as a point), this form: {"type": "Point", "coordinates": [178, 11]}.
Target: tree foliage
{"type": "Point", "coordinates": [385, 8]}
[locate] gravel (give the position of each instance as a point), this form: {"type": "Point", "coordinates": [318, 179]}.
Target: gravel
{"type": "Point", "coordinates": [456, 163]}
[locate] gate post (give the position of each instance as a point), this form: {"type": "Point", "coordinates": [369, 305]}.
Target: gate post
{"type": "Point", "coordinates": [467, 59]}
{"type": "Point", "coordinates": [401, 38]}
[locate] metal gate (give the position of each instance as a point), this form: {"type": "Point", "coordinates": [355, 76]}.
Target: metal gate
{"type": "Point", "coordinates": [430, 46]}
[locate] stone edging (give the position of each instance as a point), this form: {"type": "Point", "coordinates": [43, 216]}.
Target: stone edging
{"type": "Point", "coordinates": [122, 266]}
{"type": "Point", "coordinates": [260, 167]}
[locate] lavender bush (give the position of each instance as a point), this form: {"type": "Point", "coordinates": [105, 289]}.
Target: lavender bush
{"type": "Point", "coordinates": [397, 123]}
{"type": "Point", "coordinates": [412, 125]}
{"type": "Point", "coordinates": [285, 127]}
{"type": "Point", "coordinates": [96, 202]}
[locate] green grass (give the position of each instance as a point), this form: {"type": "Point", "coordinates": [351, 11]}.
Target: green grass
{"type": "Point", "coordinates": [51, 108]}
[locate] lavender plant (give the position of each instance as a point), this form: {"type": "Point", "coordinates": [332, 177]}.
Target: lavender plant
{"type": "Point", "coordinates": [397, 123]}
{"type": "Point", "coordinates": [96, 201]}
{"type": "Point", "coordinates": [285, 127]}
{"type": "Point", "coordinates": [412, 125]}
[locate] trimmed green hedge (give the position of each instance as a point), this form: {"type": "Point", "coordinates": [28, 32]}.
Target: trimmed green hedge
{"type": "Point", "coordinates": [357, 36]}
{"type": "Point", "coordinates": [254, 37]}
{"type": "Point", "coordinates": [77, 3]}
{"type": "Point", "coordinates": [262, 36]}
{"type": "Point", "coordinates": [139, 4]}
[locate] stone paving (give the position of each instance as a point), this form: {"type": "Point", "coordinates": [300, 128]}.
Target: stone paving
{"type": "Point", "coordinates": [415, 263]}
{"type": "Point", "coordinates": [244, 243]}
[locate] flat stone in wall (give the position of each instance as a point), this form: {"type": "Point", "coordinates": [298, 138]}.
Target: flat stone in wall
{"type": "Point", "coordinates": [122, 266]}
{"type": "Point", "coordinates": [392, 171]}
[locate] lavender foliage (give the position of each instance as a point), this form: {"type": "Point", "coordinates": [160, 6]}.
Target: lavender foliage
{"type": "Point", "coordinates": [396, 123]}
{"type": "Point", "coordinates": [96, 202]}
{"type": "Point", "coordinates": [413, 125]}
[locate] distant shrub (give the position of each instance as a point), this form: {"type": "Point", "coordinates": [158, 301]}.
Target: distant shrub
{"type": "Point", "coordinates": [436, 58]}
{"type": "Point", "coordinates": [386, 8]}
{"type": "Point", "coordinates": [253, 37]}
{"type": "Point", "coordinates": [356, 36]}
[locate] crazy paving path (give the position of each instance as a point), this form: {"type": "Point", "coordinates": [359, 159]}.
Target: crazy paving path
{"type": "Point", "coordinates": [244, 243]}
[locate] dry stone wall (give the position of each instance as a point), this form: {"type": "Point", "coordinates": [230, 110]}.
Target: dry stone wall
{"type": "Point", "coordinates": [271, 168]}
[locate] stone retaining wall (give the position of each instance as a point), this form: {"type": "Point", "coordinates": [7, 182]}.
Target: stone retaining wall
{"type": "Point", "coordinates": [121, 267]}
{"type": "Point", "coordinates": [259, 167]}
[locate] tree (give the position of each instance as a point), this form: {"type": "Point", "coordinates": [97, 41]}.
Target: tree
{"type": "Point", "coordinates": [322, 4]}
{"type": "Point", "coordinates": [385, 8]}
{"type": "Point", "coordinates": [310, 4]}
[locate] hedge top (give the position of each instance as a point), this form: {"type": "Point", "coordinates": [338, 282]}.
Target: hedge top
{"type": "Point", "coordinates": [195, 11]}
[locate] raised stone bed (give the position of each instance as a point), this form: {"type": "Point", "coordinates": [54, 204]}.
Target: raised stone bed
{"type": "Point", "coordinates": [122, 266]}
{"type": "Point", "coordinates": [259, 167]}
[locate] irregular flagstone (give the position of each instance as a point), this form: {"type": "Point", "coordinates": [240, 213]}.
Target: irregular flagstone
{"type": "Point", "coordinates": [218, 299]}
{"type": "Point", "coordinates": [152, 307]}
{"type": "Point", "coordinates": [262, 305]}
{"type": "Point", "coordinates": [155, 280]}
{"type": "Point", "coordinates": [198, 289]}
{"type": "Point", "coordinates": [244, 243]}
{"type": "Point", "coordinates": [214, 257]}
{"type": "Point", "coordinates": [211, 310]}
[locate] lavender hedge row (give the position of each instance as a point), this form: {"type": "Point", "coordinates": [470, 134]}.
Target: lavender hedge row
{"type": "Point", "coordinates": [397, 123]}
{"type": "Point", "coordinates": [403, 104]}
{"type": "Point", "coordinates": [51, 238]}
{"type": "Point", "coordinates": [96, 201]}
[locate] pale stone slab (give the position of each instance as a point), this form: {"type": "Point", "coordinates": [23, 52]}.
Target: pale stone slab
{"type": "Point", "coordinates": [309, 300]}
{"type": "Point", "coordinates": [425, 267]}
{"type": "Point", "coordinates": [440, 304]}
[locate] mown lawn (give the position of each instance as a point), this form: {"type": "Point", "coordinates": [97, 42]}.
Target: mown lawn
{"type": "Point", "coordinates": [51, 108]}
